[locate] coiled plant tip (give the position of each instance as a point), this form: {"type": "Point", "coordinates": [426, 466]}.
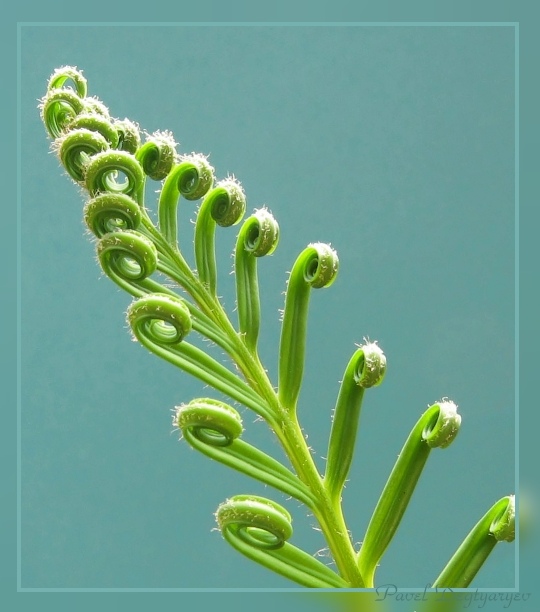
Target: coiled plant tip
{"type": "Point", "coordinates": [173, 302]}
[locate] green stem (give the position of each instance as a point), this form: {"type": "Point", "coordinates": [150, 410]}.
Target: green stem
{"type": "Point", "coordinates": [283, 421]}
{"type": "Point", "coordinates": [328, 513]}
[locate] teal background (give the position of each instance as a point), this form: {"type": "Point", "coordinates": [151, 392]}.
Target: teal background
{"type": "Point", "coordinates": [395, 144]}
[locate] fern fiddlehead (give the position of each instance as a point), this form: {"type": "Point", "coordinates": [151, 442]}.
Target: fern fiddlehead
{"type": "Point", "coordinates": [437, 427]}
{"type": "Point", "coordinates": [259, 528]}
{"type": "Point", "coordinates": [258, 236]}
{"type": "Point", "coordinates": [497, 525]}
{"type": "Point", "coordinates": [365, 369]}
{"type": "Point", "coordinates": [214, 428]}
{"type": "Point", "coordinates": [316, 267]}
{"type": "Point", "coordinates": [224, 205]}
{"type": "Point", "coordinates": [106, 157]}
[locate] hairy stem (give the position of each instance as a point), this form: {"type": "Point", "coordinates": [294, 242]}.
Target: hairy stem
{"type": "Point", "coordinates": [287, 429]}
{"type": "Point", "coordinates": [283, 421]}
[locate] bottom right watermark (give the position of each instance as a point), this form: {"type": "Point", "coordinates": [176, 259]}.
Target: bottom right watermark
{"type": "Point", "coordinates": [463, 599]}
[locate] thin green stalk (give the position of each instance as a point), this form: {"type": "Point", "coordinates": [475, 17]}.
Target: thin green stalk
{"type": "Point", "coordinates": [437, 427]}
{"type": "Point", "coordinates": [284, 423]}
{"type": "Point", "coordinates": [497, 524]}
{"type": "Point", "coordinates": [328, 513]}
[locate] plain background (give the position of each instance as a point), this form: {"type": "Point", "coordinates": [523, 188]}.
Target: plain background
{"type": "Point", "coordinates": [395, 144]}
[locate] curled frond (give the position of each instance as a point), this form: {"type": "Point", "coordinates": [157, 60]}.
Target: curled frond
{"type": "Point", "coordinates": [371, 366]}
{"type": "Point", "coordinates": [69, 75]}
{"type": "Point", "coordinates": [259, 528]}
{"type": "Point", "coordinates": [214, 428]}
{"type": "Point", "coordinates": [59, 108]}
{"type": "Point", "coordinates": [94, 106]}
{"type": "Point", "coordinates": [317, 267]}
{"type": "Point", "coordinates": [258, 236]}
{"type": "Point", "coordinates": [366, 368]}
{"type": "Point", "coordinates": [191, 178]}
{"type": "Point", "coordinates": [116, 172]}
{"type": "Point", "coordinates": [442, 432]}
{"type": "Point", "coordinates": [225, 205]}
{"type": "Point", "coordinates": [159, 320]}
{"type": "Point", "coordinates": [158, 155]}
{"type": "Point", "coordinates": [76, 149]}
{"type": "Point", "coordinates": [128, 258]}
{"type": "Point", "coordinates": [160, 323]}
{"type": "Point", "coordinates": [129, 135]}
{"type": "Point", "coordinates": [209, 421]}
{"type": "Point", "coordinates": [96, 123]}
{"type": "Point", "coordinates": [109, 212]}
{"type": "Point", "coordinates": [438, 426]}
{"type": "Point", "coordinates": [497, 525]}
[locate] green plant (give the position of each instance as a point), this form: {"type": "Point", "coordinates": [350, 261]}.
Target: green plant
{"type": "Point", "coordinates": [106, 158]}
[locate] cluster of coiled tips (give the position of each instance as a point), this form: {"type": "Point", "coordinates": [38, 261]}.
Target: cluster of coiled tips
{"type": "Point", "coordinates": [108, 159]}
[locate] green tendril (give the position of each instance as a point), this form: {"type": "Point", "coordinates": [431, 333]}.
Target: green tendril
{"type": "Point", "coordinates": [209, 421]}
{"type": "Point", "coordinates": [438, 426]}
{"type": "Point", "coordinates": [158, 155]}
{"type": "Point", "coordinates": [76, 149]}
{"type": "Point", "coordinates": [317, 267]}
{"type": "Point", "coordinates": [127, 267]}
{"type": "Point", "coordinates": [366, 368]}
{"type": "Point", "coordinates": [223, 205]}
{"type": "Point", "coordinates": [191, 178]}
{"type": "Point", "coordinates": [214, 428]}
{"type": "Point", "coordinates": [148, 311]}
{"type": "Point", "coordinates": [116, 172]}
{"type": "Point", "coordinates": [129, 136]}
{"type": "Point", "coordinates": [159, 321]}
{"type": "Point", "coordinates": [94, 106]}
{"type": "Point", "coordinates": [58, 109]}
{"type": "Point", "coordinates": [256, 520]}
{"type": "Point", "coordinates": [96, 123]}
{"type": "Point", "coordinates": [65, 74]}
{"type": "Point", "coordinates": [128, 258]}
{"type": "Point", "coordinates": [110, 212]}
{"type": "Point", "coordinates": [258, 236]}
{"type": "Point", "coordinates": [259, 529]}
{"type": "Point", "coordinates": [497, 525]}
